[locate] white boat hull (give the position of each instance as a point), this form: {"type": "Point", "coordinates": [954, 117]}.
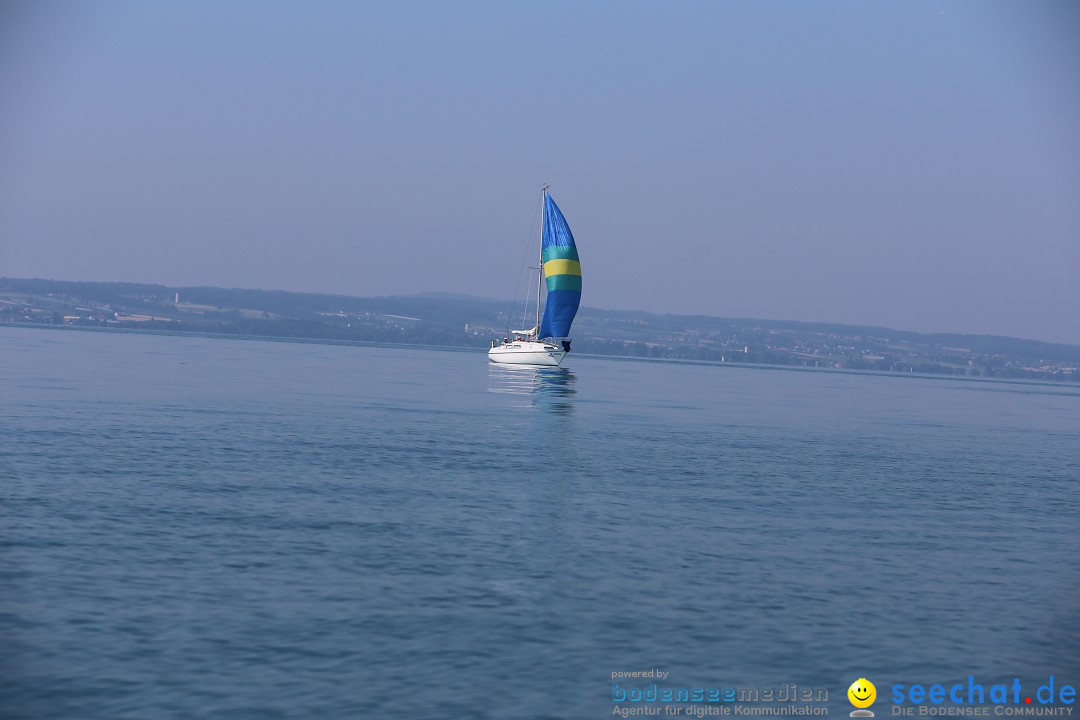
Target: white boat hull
{"type": "Point", "coordinates": [523, 352]}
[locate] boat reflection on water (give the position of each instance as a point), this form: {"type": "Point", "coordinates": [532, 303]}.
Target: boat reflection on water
{"type": "Point", "coordinates": [544, 388]}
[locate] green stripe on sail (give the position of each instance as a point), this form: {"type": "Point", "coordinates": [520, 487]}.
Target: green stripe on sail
{"type": "Point", "coordinates": [564, 282]}
{"type": "Point", "coordinates": [560, 252]}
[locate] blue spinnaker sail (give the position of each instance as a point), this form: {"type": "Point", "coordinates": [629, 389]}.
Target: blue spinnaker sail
{"type": "Point", "coordinates": [562, 268]}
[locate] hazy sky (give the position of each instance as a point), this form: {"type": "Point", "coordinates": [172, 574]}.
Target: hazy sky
{"type": "Point", "coordinates": [909, 164]}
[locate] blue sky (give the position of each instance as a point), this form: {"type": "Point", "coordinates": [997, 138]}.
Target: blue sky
{"type": "Point", "coordinates": [908, 164]}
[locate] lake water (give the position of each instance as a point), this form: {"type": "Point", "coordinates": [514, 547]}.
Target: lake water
{"type": "Point", "coordinates": [197, 527]}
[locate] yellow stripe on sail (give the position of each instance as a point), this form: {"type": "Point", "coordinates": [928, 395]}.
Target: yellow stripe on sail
{"type": "Point", "coordinates": [562, 267]}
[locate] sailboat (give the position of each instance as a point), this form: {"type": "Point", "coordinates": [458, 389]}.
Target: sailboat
{"type": "Point", "coordinates": [548, 342]}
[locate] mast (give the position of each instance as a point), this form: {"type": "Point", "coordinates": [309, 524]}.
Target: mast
{"type": "Point", "coordinates": [540, 269]}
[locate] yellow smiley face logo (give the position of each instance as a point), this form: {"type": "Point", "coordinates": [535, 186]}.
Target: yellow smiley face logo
{"type": "Point", "coordinates": [862, 693]}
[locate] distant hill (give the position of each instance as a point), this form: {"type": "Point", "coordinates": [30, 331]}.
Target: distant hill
{"type": "Point", "coordinates": [460, 320]}
{"type": "Point", "coordinates": [456, 296]}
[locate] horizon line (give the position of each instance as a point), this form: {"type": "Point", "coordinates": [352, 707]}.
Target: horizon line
{"type": "Point", "coordinates": [432, 294]}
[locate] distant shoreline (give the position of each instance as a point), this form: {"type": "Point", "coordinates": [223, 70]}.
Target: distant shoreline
{"type": "Point", "coordinates": [472, 323]}
{"type": "Point", "coordinates": [479, 354]}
